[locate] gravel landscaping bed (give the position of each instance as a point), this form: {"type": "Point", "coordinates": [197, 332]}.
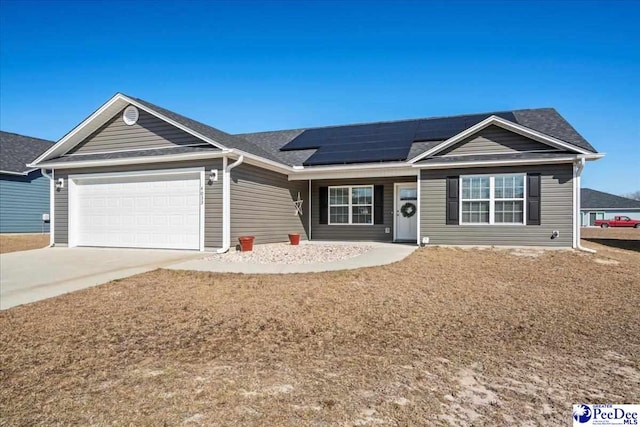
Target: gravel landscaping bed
{"type": "Point", "coordinates": [284, 253]}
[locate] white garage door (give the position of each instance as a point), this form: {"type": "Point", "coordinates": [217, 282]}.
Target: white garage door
{"type": "Point", "coordinates": [158, 211]}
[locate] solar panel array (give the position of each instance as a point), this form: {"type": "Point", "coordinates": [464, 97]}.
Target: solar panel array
{"type": "Point", "coordinates": [379, 142]}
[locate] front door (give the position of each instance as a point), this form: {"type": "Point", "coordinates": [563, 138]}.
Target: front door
{"type": "Point", "coordinates": [406, 211]}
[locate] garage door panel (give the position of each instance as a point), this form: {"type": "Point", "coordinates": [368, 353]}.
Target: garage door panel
{"type": "Point", "coordinates": [144, 212]}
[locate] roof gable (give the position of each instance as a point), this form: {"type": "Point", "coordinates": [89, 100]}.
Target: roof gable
{"type": "Point", "coordinates": [19, 150]}
{"type": "Point", "coordinates": [495, 140]}
{"type": "Point", "coordinates": [149, 132]}
{"type": "Point", "coordinates": [505, 124]}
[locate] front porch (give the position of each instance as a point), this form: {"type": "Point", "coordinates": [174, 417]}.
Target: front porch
{"type": "Point", "coordinates": [375, 209]}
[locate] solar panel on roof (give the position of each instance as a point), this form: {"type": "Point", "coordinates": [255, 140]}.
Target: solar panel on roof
{"type": "Point", "coordinates": [376, 142]}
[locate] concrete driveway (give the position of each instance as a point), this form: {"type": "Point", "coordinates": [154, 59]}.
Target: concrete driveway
{"type": "Point", "coordinates": [30, 276]}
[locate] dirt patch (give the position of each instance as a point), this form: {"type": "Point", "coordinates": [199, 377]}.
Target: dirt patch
{"type": "Point", "coordinates": [446, 336]}
{"type": "Point", "coordinates": [22, 242]}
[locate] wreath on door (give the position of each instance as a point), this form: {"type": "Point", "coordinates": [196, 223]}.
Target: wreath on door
{"type": "Point", "coordinates": [408, 210]}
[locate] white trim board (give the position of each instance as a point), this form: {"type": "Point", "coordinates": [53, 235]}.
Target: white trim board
{"type": "Point", "coordinates": [491, 163]}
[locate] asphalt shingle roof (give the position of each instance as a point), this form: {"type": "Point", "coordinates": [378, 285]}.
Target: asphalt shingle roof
{"type": "Point", "coordinates": [226, 139]}
{"type": "Point", "coordinates": [594, 199]}
{"type": "Point", "coordinates": [371, 142]}
{"type": "Point", "coordinates": [430, 132]}
{"type": "Point", "coordinates": [18, 150]}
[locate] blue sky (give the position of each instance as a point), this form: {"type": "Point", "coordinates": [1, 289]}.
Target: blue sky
{"type": "Point", "coordinates": [250, 66]}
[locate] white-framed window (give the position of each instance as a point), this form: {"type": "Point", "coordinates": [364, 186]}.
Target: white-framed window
{"type": "Point", "coordinates": [492, 199]}
{"type": "Point", "coordinates": [351, 205]}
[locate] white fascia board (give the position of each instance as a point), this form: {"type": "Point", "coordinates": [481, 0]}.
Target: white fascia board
{"type": "Point", "coordinates": [136, 160]}
{"type": "Point", "coordinates": [81, 131]}
{"type": "Point", "coordinates": [261, 161]}
{"type": "Point", "coordinates": [345, 173]}
{"type": "Point", "coordinates": [489, 163]}
{"type": "Point", "coordinates": [100, 117]}
{"type": "Point", "coordinates": [505, 124]}
{"type": "Point", "coordinates": [14, 173]}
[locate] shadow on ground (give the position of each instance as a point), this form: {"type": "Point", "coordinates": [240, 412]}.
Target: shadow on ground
{"type": "Point", "coordinates": [630, 245]}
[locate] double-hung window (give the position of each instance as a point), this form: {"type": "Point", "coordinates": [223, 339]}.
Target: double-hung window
{"type": "Point", "coordinates": [492, 199]}
{"type": "Point", "coordinates": [351, 205]}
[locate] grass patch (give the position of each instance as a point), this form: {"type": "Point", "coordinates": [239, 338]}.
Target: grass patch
{"type": "Point", "coordinates": [22, 242]}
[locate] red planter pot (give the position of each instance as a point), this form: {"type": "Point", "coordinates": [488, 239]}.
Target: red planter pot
{"type": "Point", "coordinates": [294, 238]}
{"type": "Point", "coordinates": [246, 243]}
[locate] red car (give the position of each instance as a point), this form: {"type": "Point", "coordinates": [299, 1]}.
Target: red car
{"type": "Point", "coordinates": [618, 221]}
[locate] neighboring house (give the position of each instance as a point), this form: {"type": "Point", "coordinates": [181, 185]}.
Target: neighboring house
{"type": "Point", "coordinates": [137, 175]}
{"type": "Point", "coordinates": [24, 192]}
{"type": "Point", "coordinates": [596, 205]}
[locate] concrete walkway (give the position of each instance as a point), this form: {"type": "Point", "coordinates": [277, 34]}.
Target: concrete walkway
{"type": "Point", "coordinates": [35, 275]}
{"type": "Point", "coordinates": [380, 254]}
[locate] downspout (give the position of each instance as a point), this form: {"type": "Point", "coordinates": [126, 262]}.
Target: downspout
{"type": "Point", "coordinates": [51, 205]}
{"type": "Point", "coordinates": [226, 202]}
{"type": "Point", "coordinates": [579, 166]}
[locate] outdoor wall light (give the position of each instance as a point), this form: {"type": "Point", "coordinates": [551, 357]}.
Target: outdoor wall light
{"type": "Point", "coordinates": [213, 175]}
{"type": "Point", "coordinates": [60, 183]}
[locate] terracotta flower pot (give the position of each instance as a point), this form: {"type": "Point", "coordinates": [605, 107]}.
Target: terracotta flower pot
{"type": "Point", "coordinates": [294, 238]}
{"type": "Point", "coordinates": [246, 243]}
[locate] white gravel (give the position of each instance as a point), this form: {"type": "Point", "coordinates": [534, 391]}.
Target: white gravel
{"type": "Point", "coordinates": [284, 253]}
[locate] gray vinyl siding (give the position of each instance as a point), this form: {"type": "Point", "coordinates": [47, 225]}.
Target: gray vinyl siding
{"type": "Point", "coordinates": [494, 140]}
{"type": "Point", "coordinates": [213, 197]}
{"type": "Point", "coordinates": [262, 205]}
{"type": "Point", "coordinates": [149, 132]}
{"type": "Point", "coordinates": [375, 232]}
{"type": "Point", "coordinates": [556, 210]}
{"type": "Point", "coordinates": [23, 200]}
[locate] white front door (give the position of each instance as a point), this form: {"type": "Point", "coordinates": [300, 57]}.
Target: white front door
{"type": "Point", "coordinates": [158, 211]}
{"type": "Point", "coordinates": [406, 207]}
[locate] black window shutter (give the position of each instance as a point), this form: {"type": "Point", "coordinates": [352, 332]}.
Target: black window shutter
{"type": "Point", "coordinates": [533, 199]}
{"type": "Point", "coordinates": [324, 205]}
{"type": "Point", "coordinates": [378, 207]}
{"type": "Point", "coordinates": [453, 202]}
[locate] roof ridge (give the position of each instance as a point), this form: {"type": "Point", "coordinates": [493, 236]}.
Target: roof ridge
{"type": "Point", "coordinates": [258, 150]}
{"type": "Point", "coordinates": [402, 120]}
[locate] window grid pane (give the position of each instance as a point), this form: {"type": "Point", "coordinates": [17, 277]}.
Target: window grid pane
{"type": "Point", "coordinates": [475, 212]}
{"type": "Point", "coordinates": [339, 196]}
{"type": "Point", "coordinates": [509, 212]}
{"type": "Point", "coordinates": [351, 203]}
{"type": "Point", "coordinates": [339, 214]}
{"type": "Point", "coordinates": [507, 199]}
{"type": "Point", "coordinates": [361, 195]}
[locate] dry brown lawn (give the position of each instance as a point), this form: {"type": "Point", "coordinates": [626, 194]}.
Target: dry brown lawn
{"type": "Point", "coordinates": [22, 242]}
{"type": "Point", "coordinates": [447, 336]}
